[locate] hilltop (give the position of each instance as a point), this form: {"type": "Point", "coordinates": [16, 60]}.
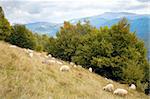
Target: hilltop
{"type": "Point", "coordinates": [24, 77]}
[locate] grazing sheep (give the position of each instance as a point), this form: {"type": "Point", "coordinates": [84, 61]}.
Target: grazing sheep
{"type": "Point", "coordinates": [121, 92]}
{"type": "Point", "coordinates": [53, 58]}
{"type": "Point", "coordinates": [48, 62]}
{"type": "Point", "coordinates": [49, 55]}
{"type": "Point", "coordinates": [29, 51]}
{"type": "Point", "coordinates": [90, 69]}
{"type": "Point", "coordinates": [64, 68]}
{"type": "Point", "coordinates": [109, 87]}
{"type": "Point", "coordinates": [58, 62]}
{"type": "Point", "coordinates": [75, 66]}
{"type": "Point", "coordinates": [13, 46]}
{"type": "Point", "coordinates": [109, 80]}
{"type": "Point", "coordinates": [31, 55]}
{"type": "Point", "coordinates": [79, 66]}
{"type": "Point", "coordinates": [71, 63]}
{"type": "Point", "coordinates": [132, 86]}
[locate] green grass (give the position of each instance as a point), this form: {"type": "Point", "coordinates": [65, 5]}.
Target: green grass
{"type": "Point", "coordinates": [22, 77]}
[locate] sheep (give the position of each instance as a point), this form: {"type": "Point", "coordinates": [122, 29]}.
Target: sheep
{"type": "Point", "coordinates": [65, 68]}
{"type": "Point", "coordinates": [90, 69]}
{"type": "Point", "coordinates": [75, 66]}
{"type": "Point", "coordinates": [121, 92]}
{"type": "Point", "coordinates": [48, 62]}
{"type": "Point", "coordinates": [79, 66]}
{"type": "Point", "coordinates": [49, 55]}
{"type": "Point", "coordinates": [109, 80]}
{"type": "Point", "coordinates": [109, 87]}
{"type": "Point", "coordinates": [71, 63]}
{"type": "Point", "coordinates": [53, 58]}
{"type": "Point", "coordinates": [58, 62]}
{"type": "Point", "coordinates": [132, 86]}
{"type": "Point", "coordinates": [29, 51]}
{"type": "Point", "coordinates": [13, 46]}
{"type": "Point", "coordinates": [31, 54]}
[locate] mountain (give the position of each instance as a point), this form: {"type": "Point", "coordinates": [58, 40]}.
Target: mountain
{"type": "Point", "coordinates": [43, 28]}
{"type": "Point", "coordinates": [105, 19]}
{"type": "Point", "coordinates": [24, 77]}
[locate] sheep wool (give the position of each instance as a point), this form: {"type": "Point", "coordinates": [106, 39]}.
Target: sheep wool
{"type": "Point", "coordinates": [132, 87]}
{"type": "Point", "coordinates": [109, 87]}
{"type": "Point", "coordinates": [49, 55]}
{"type": "Point", "coordinates": [31, 54]}
{"type": "Point", "coordinates": [71, 63]}
{"type": "Point", "coordinates": [121, 92]}
{"type": "Point", "coordinates": [90, 69]}
{"type": "Point", "coordinates": [13, 46]}
{"type": "Point", "coordinates": [58, 62]}
{"type": "Point", "coordinates": [108, 80]}
{"type": "Point", "coordinates": [65, 68]}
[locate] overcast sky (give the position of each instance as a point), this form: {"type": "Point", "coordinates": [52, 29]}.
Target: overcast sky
{"type": "Point", "coordinates": [27, 11]}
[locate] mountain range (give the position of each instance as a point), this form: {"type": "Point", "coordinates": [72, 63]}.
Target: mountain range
{"type": "Point", "coordinates": [139, 23]}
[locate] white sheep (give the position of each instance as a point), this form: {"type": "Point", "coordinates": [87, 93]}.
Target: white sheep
{"type": "Point", "coordinates": [31, 55]}
{"type": "Point", "coordinates": [109, 87]}
{"type": "Point", "coordinates": [121, 92]}
{"type": "Point", "coordinates": [80, 66]}
{"type": "Point", "coordinates": [65, 68]}
{"type": "Point", "coordinates": [49, 55]}
{"type": "Point", "coordinates": [109, 80]}
{"type": "Point", "coordinates": [90, 69]}
{"type": "Point", "coordinates": [75, 66]}
{"type": "Point", "coordinates": [53, 58]}
{"type": "Point", "coordinates": [132, 87]}
{"type": "Point", "coordinates": [13, 46]}
{"type": "Point", "coordinates": [58, 62]}
{"type": "Point", "coordinates": [29, 51]}
{"type": "Point", "coordinates": [71, 63]}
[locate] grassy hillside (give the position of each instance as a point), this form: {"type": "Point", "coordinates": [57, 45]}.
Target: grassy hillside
{"type": "Point", "coordinates": [23, 77]}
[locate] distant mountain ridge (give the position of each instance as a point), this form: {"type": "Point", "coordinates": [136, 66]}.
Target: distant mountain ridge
{"type": "Point", "coordinates": [138, 22]}
{"type": "Point", "coordinates": [43, 28]}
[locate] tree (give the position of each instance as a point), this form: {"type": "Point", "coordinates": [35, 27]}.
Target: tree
{"type": "Point", "coordinates": [22, 37]}
{"type": "Point", "coordinates": [5, 28]}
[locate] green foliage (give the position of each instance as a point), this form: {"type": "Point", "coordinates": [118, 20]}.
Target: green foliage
{"type": "Point", "coordinates": [115, 51]}
{"type": "Point", "coordinates": [22, 37]}
{"type": "Point", "coordinates": [43, 42]}
{"type": "Point", "coordinates": [68, 39]}
{"type": "Point", "coordinates": [5, 28]}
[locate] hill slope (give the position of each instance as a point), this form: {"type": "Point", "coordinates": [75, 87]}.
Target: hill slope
{"type": "Point", "coordinates": [23, 77]}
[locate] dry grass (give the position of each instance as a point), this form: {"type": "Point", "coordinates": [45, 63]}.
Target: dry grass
{"type": "Point", "coordinates": [22, 77]}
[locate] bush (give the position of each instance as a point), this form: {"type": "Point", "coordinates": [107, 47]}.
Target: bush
{"type": "Point", "coordinates": [22, 37]}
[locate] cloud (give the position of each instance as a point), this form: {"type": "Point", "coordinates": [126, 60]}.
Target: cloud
{"type": "Point", "coordinates": [25, 11]}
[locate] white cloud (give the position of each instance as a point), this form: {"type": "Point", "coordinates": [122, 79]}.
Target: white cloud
{"type": "Point", "coordinates": [25, 11]}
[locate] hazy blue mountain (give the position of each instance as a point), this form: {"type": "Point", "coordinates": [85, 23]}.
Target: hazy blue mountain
{"type": "Point", "coordinates": [106, 19]}
{"type": "Point", "coordinates": [43, 28]}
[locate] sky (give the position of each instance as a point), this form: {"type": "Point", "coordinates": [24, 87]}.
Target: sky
{"type": "Point", "coordinates": [57, 11]}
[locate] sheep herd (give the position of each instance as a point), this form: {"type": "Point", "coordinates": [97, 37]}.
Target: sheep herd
{"type": "Point", "coordinates": [118, 91]}
{"type": "Point", "coordinates": [48, 59]}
